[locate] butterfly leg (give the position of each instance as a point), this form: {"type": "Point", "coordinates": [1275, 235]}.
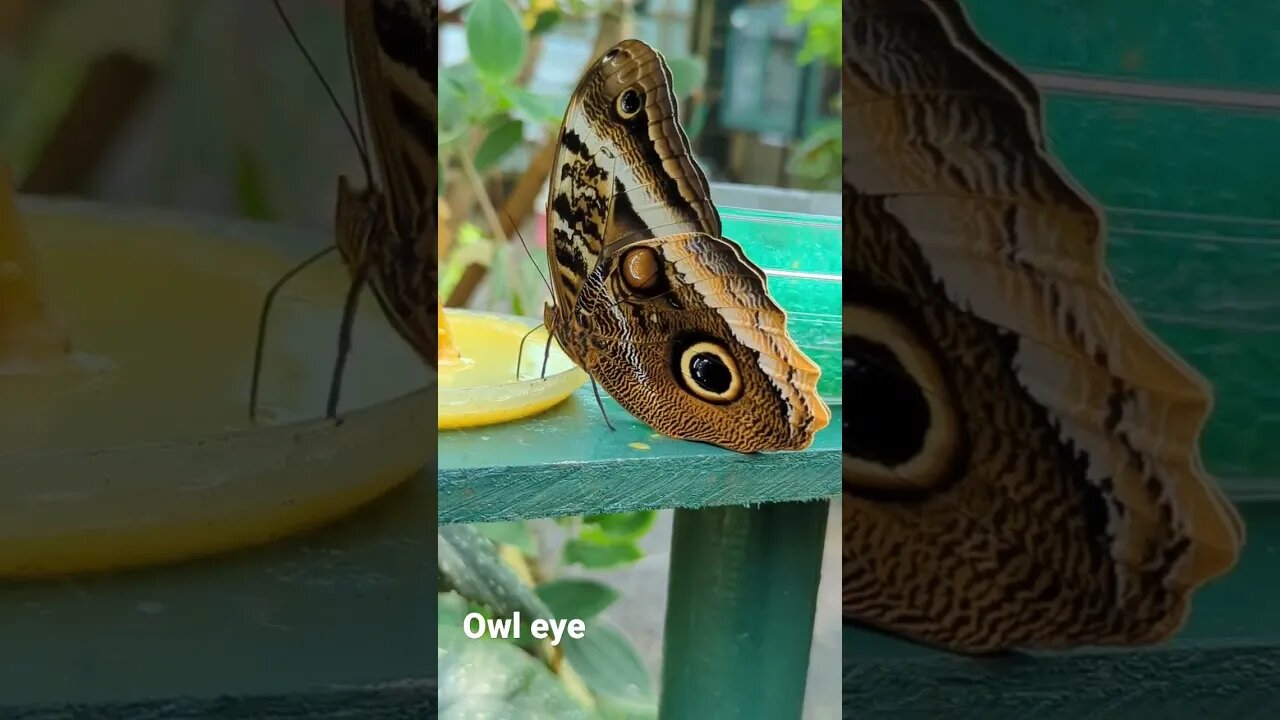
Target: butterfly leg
{"type": "Point", "coordinates": [546, 355]}
{"type": "Point", "coordinates": [600, 403]}
{"type": "Point", "coordinates": [262, 325]}
{"type": "Point", "coordinates": [344, 342]}
{"type": "Point", "coordinates": [520, 353]}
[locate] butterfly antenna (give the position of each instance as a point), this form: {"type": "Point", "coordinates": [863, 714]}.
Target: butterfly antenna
{"type": "Point", "coordinates": [355, 92]}
{"type": "Point", "coordinates": [357, 139]}
{"type": "Point", "coordinates": [525, 245]}
{"type": "Point", "coordinates": [262, 325]}
{"type": "Point", "coordinates": [546, 353]}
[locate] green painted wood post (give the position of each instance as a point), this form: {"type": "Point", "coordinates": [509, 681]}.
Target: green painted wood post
{"type": "Point", "coordinates": [740, 608]}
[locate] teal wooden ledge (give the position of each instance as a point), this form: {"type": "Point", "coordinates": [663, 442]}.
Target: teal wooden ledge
{"type": "Point", "coordinates": [567, 462]}
{"type": "Point", "coordinates": [746, 546]}
{"type": "Point", "coordinates": [407, 701]}
{"type": "Point", "coordinates": [1224, 664]}
{"type": "Point", "coordinates": [334, 623]}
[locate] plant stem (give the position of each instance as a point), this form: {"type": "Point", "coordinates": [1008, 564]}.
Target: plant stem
{"type": "Point", "coordinates": [482, 196]}
{"type": "Point", "coordinates": [113, 91]}
{"type": "Point", "coordinates": [615, 23]}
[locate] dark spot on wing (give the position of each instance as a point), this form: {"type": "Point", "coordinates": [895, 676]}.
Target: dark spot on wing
{"type": "Point", "coordinates": [407, 35]}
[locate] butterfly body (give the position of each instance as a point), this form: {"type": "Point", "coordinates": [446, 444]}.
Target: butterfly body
{"type": "Point", "coordinates": [393, 265]}
{"type": "Point", "coordinates": [1021, 467]}
{"type": "Point", "coordinates": [666, 314]}
{"type": "Point", "coordinates": [386, 234]}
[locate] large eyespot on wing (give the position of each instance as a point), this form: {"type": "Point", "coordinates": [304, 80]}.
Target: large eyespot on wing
{"type": "Point", "coordinates": [707, 369]}
{"type": "Point", "coordinates": [625, 113]}
{"type": "Point", "coordinates": [901, 434]}
{"type": "Point", "coordinates": [690, 342]}
{"type": "Point", "coordinates": [623, 169]}
{"type": "Point", "coordinates": [641, 273]}
{"type": "Point", "coordinates": [629, 103]}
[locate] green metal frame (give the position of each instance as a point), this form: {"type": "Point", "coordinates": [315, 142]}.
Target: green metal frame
{"type": "Point", "coordinates": [740, 617]}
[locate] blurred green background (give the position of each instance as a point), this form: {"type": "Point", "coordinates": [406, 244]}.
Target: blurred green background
{"type": "Point", "coordinates": [207, 107]}
{"type": "Point", "coordinates": [756, 96]}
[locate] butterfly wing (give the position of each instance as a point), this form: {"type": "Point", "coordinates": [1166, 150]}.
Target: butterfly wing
{"type": "Point", "coordinates": [670, 318]}
{"type": "Point", "coordinates": [1021, 458]}
{"type": "Point", "coordinates": [391, 232]}
{"type": "Point", "coordinates": [623, 170]}
{"type": "Point", "coordinates": [682, 332]}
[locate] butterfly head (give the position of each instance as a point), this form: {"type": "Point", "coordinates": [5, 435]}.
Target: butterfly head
{"type": "Point", "coordinates": [356, 216]}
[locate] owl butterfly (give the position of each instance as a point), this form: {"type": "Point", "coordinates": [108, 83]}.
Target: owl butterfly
{"type": "Point", "coordinates": [386, 236]}
{"type": "Point", "coordinates": [1021, 466]}
{"type": "Point", "coordinates": [669, 317]}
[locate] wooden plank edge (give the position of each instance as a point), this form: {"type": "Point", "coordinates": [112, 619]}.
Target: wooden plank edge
{"type": "Point", "coordinates": [406, 700]}
{"type": "Point", "coordinates": [1240, 681]}
{"type": "Point", "coordinates": [586, 488]}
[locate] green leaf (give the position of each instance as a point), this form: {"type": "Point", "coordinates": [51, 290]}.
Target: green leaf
{"type": "Point", "coordinates": [451, 608]}
{"type": "Point", "coordinates": [496, 679]}
{"type": "Point", "coordinates": [607, 662]}
{"type": "Point", "coordinates": [611, 708]}
{"type": "Point", "coordinates": [600, 551]}
{"type": "Point", "coordinates": [695, 122]}
{"type": "Point", "coordinates": [627, 526]}
{"type": "Point", "coordinates": [500, 141]}
{"type": "Point", "coordinates": [465, 100]}
{"type": "Point", "coordinates": [445, 139]}
{"type": "Point", "coordinates": [688, 74]}
{"type": "Point", "coordinates": [514, 533]}
{"type": "Point", "coordinates": [817, 159]}
{"type": "Point", "coordinates": [449, 107]}
{"type": "Point", "coordinates": [576, 598]}
{"type": "Point", "coordinates": [823, 32]}
{"type": "Point", "coordinates": [546, 21]}
{"type": "Point", "coordinates": [533, 107]}
{"type": "Point", "coordinates": [471, 565]}
{"type": "Point", "coordinates": [495, 39]}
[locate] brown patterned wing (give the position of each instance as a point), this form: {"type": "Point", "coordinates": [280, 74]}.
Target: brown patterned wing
{"type": "Point", "coordinates": [682, 332]}
{"type": "Point", "coordinates": [623, 170]}
{"type": "Point", "coordinates": [390, 232]}
{"type": "Point", "coordinates": [1021, 456]}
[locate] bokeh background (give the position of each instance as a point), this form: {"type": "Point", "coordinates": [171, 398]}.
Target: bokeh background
{"type": "Point", "coordinates": [758, 91]}
{"type": "Point", "coordinates": [205, 111]}
{"type": "Point", "coordinates": [207, 107]}
{"type": "Point", "coordinates": [758, 96]}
